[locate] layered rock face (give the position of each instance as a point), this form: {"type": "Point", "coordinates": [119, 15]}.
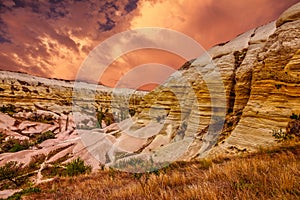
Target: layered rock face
{"type": "Point", "coordinates": [275, 85]}
{"type": "Point", "coordinates": [59, 95]}
{"type": "Point", "coordinates": [226, 101]}
{"type": "Point", "coordinates": [40, 117]}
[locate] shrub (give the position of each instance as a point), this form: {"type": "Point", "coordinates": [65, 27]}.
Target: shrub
{"type": "Point", "coordinates": [132, 112]}
{"type": "Point", "coordinates": [281, 136]}
{"type": "Point", "coordinates": [25, 191]}
{"type": "Point", "coordinates": [77, 167]}
{"type": "Point", "coordinates": [293, 127]}
{"type": "Point", "coordinates": [295, 116]}
{"type": "Point", "coordinates": [9, 109]}
{"type": "Point", "coordinates": [45, 136]}
{"type": "Point", "coordinates": [15, 145]}
{"type": "Point", "coordinates": [292, 130]}
{"type": "Point", "coordinates": [54, 170]}
{"type": "Point", "coordinates": [35, 117]}
{"type": "Point", "coordinates": [12, 171]}
{"type": "Point", "coordinates": [139, 165]}
{"type": "Point", "coordinates": [100, 115]}
{"type": "Point", "coordinates": [205, 163]}
{"type": "Point", "coordinates": [36, 161]}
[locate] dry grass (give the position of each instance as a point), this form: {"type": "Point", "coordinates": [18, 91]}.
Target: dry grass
{"type": "Point", "coordinates": [269, 174]}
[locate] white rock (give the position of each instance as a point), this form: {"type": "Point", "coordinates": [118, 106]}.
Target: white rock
{"type": "Point", "coordinates": [291, 14]}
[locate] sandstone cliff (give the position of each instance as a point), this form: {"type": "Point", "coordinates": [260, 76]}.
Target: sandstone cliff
{"type": "Point", "coordinates": [194, 114]}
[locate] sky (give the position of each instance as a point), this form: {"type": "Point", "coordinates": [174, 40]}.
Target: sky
{"type": "Point", "coordinates": [52, 38]}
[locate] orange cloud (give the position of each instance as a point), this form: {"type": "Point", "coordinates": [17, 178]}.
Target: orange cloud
{"type": "Point", "coordinates": [126, 68]}
{"type": "Point", "coordinates": [52, 38]}
{"type": "Point", "coordinates": [209, 21]}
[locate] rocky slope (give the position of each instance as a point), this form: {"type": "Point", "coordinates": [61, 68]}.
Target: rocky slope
{"type": "Point", "coordinates": [38, 120]}
{"type": "Point", "coordinates": [226, 101]}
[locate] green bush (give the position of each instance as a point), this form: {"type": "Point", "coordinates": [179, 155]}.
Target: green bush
{"type": "Point", "coordinates": [77, 167]}
{"type": "Point", "coordinates": [45, 136]}
{"type": "Point", "coordinates": [15, 145]}
{"type": "Point", "coordinates": [25, 191]}
{"type": "Point", "coordinates": [12, 171]}
{"type": "Point", "coordinates": [295, 116]}
{"type": "Point", "coordinates": [18, 147]}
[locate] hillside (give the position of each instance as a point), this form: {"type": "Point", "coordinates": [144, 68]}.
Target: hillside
{"type": "Point", "coordinates": [224, 102]}
{"type": "Point", "coordinates": [268, 174]}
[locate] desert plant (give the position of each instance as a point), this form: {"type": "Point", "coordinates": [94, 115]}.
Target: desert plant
{"type": "Point", "coordinates": [100, 116]}
{"type": "Point", "coordinates": [9, 109]}
{"type": "Point", "coordinates": [12, 171]}
{"type": "Point", "coordinates": [295, 116]}
{"type": "Point", "coordinates": [205, 163]}
{"type": "Point", "coordinates": [281, 136]}
{"type": "Point", "coordinates": [292, 130]}
{"type": "Point", "coordinates": [138, 165]}
{"type": "Point", "coordinates": [132, 112]}
{"type": "Point", "coordinates": [15, 145]}
{"type": "Point", "coordinates": [77, 167]}
{"type": "Point", "coordinates": [35, 117]}
{"type": "Point", "coordinates": [293, 127]}
{"type": "Point", "coordinates": [26, 191]}
{"type": "Point", "coordinates": [45, 136]}
{"type": "Point", "coordinates": [36, 161]}
{"type": "Point", "coordinates": [105, 116]}
{"type": "Point", "coordinates": [54, 170]}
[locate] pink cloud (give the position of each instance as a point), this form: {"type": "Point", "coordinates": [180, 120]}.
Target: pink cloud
{"type": "Point", "coordinates": [53, 39]}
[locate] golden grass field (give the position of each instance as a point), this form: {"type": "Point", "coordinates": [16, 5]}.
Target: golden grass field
{"type": "Point", "coordinates": [268, 174]}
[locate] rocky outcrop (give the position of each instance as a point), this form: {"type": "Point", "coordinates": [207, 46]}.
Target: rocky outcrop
{"type": "Point", "coordinates": [275, 85]}
{"type": "Point", "coordinates": [290, 15]}
{"type": "Point", "coordinates": [259, 73]}
{"type": "Point", "coordinates": [226, 101]}
{"type": "Point", "coordinates": [42, 119]}
{"type": "Point", "coordinates": [37, 93]}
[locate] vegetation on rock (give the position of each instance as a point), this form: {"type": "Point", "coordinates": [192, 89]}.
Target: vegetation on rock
{"type": "Point", "coordinates": [292, 130]}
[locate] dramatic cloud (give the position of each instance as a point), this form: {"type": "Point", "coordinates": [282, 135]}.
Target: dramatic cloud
{"type": "Point", "coordinates": [210, 21]}
{"type": "Point", "coordinates": [51, 38]}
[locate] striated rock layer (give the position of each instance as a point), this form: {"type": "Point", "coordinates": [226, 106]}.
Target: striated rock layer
{"type": "Point", "coordinates": [194, 113]}
{"type": "Point", "coordinates": [33, 94]}
{"type": "Point", "coordinates": [32, 106]}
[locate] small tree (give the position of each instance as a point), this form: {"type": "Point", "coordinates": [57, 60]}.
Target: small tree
{"type": "Point", "coordinates": [14, 145]}
{"type": "Point", "coordinates": [77, 167]}
{"type": "Point", "coordinates": [45, 136]}
{"type": "Point", "coordinates": [100, 116]}
{"type": "Point", "coordinates": [12, 171]}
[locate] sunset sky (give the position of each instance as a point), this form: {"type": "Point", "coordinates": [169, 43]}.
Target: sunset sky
{"type": "Point", "coordinates": [51, 38]}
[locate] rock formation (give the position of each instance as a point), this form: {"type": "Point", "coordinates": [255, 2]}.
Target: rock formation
{"type": "Point", "coordinates": [260, 80]}
{"type": "Point", "coordinates": [38, 117]}
{"type": "Point", "coordinates": [226, 101]}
